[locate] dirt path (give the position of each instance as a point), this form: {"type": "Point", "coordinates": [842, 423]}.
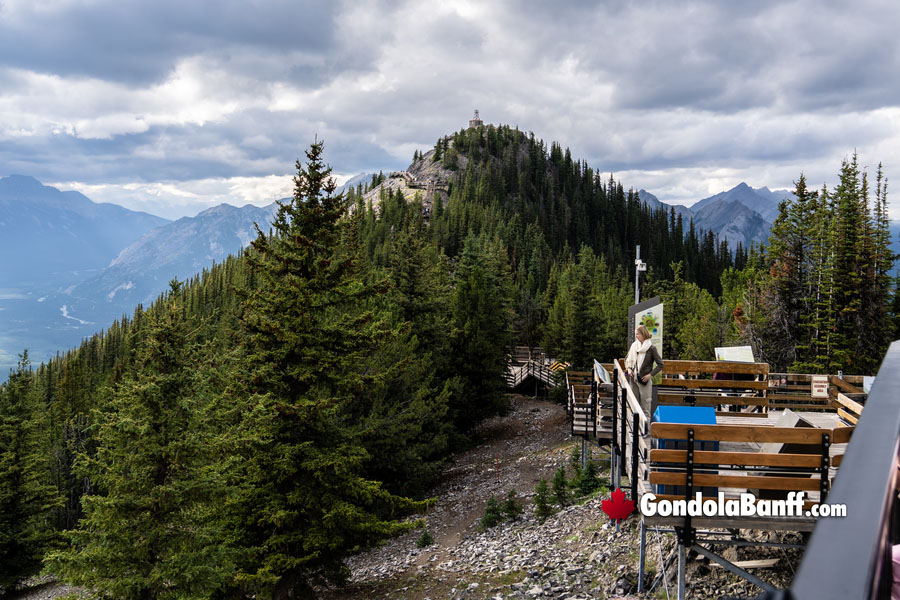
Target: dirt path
{"type": "Point", "coordinates": [514, 452]}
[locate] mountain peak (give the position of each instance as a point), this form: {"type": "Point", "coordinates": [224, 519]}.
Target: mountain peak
{"type": "Point", "coordinates": [22, 183]}
{"type": "Point", "coordinates": [219, 209]}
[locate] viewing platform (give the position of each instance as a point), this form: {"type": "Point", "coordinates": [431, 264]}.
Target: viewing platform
{"type": "Point", "coordinates": [722, 429]}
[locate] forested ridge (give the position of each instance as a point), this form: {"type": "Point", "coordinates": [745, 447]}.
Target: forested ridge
{"type": "Point", "coordinates": [294, 404]}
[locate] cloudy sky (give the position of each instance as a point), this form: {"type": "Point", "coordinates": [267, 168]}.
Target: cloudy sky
{"type": "Point", "coordinates": [173, 106]}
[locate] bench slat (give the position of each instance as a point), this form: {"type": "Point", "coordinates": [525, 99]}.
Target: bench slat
{"type": "Point", "coordinates": [741, 433]}
{"type": "Point", "coordinates": [809, 484]}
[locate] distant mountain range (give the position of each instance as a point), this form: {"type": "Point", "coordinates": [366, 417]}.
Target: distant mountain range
{"type": "Point", "coordinates": [179, 250]}
{"type": "Point", "coordinates": [44, 231]}
{"type": "Point", "coordinates": [740, 215]}
{"type": "Point", "coordinates": [73, 266]}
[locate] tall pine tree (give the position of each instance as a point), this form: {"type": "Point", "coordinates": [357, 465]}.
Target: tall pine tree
{"type": "Point", "coordinates": [152, 530]}
{"type": "Point", "coordinates": [26, 496]}
{"type": "Point", "coordinates": [305, 503]}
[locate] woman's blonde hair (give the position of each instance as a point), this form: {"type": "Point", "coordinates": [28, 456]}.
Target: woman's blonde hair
{"type": "Point", "coordinates": [642, 331]}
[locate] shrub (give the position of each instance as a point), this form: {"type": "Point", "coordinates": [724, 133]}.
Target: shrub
{"type": "Point", "coordinates": [511, 507]}
{"type": "Point", "coordinates": [493, 513]}
{"type": "Point", "coordinates": [425, 539]}
{"type": "Point", "coordinates": [542, 507]}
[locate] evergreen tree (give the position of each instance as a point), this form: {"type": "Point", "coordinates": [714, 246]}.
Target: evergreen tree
{"type": "Point", "coordinates": [26, 496]}
{"type": "Point", "coordinates": [481, 330]}
{"type": "Point", "coordinates": [437, 151]}
{"type": "Point", "coordinates": [511, 507]}
{"type": "Point", "coordinates": [152, 532]}
{"type": "Point", "coordinates": [542, 506]}
{"type": "Point", "coordinates": [561, 487]}
{"type": "Point", "coordinates": [306, 503]}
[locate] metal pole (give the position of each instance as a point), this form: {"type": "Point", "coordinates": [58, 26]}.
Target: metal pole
{"type": "Point", "coordinates": [637, 274]}
{"type": "Point", "coordinates": [634, 458]}
{"type": "Point", "coordinates": [733, 568]}
{"type": "Point", "coordinates": [643, 552]}
{"type": "Point", "coordinates": [613, 463]}
{"type": "Point", "coordinates": [623, 442]}
{"type": "Point", "coordinates": [681, 562]}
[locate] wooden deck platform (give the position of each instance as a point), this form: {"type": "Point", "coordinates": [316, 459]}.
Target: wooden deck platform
{"type": "Point", "coordinates": [749, 458]}
{"type": "Point", "coordinates": [761, 447]}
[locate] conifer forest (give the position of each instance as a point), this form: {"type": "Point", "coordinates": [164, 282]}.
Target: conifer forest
{"type": "Point", "coordinates": [257, 424]}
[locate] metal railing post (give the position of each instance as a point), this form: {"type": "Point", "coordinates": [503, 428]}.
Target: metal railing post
{"type": "Point", "coordinates": [634, 457]}
{"type": "Point", "coordinates": [613, 450]}
{"type": "Point", "coordinates": [624, 426]}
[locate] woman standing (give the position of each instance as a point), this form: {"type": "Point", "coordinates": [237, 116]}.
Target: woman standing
{"type": "Point", "coordinates": [639, 366]}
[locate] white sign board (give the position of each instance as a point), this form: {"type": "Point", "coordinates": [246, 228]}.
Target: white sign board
{"type": "Point", "coordinates": [652, 319]}
{"type": "Point", "coordinates": [867, 383]}
{"type": "Point", "coordinates": [819, 386]}
{"type": "Point", "coordinates": [735, 354]}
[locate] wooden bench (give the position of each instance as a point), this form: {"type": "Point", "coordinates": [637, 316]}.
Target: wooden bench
{"type": "Point", "coordinates": [716, 383]}
{"type": "Point", "coordinates": [739, 466]}
{"type": "Point", "coordinates": [795, 392]}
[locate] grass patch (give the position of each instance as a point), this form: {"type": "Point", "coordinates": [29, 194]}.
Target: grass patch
{"type": "Point", "coordinates": [510, 578]}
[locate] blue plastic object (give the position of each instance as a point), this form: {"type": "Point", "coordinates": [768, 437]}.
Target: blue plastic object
{"type": "Point", "coordinates": [688, 415]}
{"type": "Point", "coordinates": [694, 415]}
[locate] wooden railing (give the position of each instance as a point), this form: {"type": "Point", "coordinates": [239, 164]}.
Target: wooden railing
{"type": "Point", "coordinates": [806, 467]}
{"type": "Point", "coordinates": [848, 409]}
{"type": "Point", "coordinates": [728, 386]}
{"type": "Point", "coordinates": [590, 405]}
{"type": "Point", "coordinates": [631, 441]}
{"type": "Point", "coordinates": [794, 391]}
{"type": "Point", "coordinates": [519, 373]}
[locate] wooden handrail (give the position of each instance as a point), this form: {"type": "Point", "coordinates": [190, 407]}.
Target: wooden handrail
{"type": "Point", "coordinates": [713, 383]}
{"type": "Point", "coordinates": [633, 404]}
{"type": "Point", "coordinates": [738, 459]}
{"type": "Point", "coordinates": [809, 484]}
{"type": "Point", "coordinates": [713, 366]}
{"type": "Point", "coordinates": [742, 433]}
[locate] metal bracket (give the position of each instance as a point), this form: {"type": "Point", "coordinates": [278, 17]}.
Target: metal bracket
{"type": "Point", "coordinates": [689, 483]}
{"type": "Point", "coordinates": [826, 463]}
{"type": "Point", "coordinates": [733, 568]}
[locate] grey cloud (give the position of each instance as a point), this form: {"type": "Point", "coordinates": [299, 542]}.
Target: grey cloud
{"type": "Point", "coordinates": [652, 85]}
{"type": "Point", "coordinates": [139, 42]}
{"type": "Point", "coordinates": [726, 56]}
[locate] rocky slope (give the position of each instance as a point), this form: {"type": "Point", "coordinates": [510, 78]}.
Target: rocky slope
{"type": "Point", "coordinates": [574, 554]}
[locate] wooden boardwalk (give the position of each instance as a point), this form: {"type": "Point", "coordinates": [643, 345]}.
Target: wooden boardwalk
{"type": "Point", "coordinates": [771, 437]}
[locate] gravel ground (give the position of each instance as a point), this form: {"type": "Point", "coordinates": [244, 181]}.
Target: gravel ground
{"type": "Point", "coordinates": [572, 555]}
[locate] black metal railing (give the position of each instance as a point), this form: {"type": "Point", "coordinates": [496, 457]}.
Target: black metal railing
{"type": "Point", "coordinates": [850, 557]}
